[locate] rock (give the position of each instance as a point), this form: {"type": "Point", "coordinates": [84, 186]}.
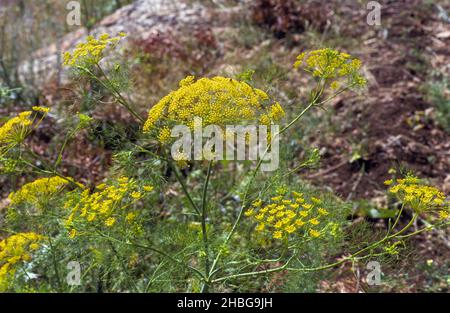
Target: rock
{"type": "Point", "coordinates": [443, 35]}
{"type": "Point", "coordinates": [141, 20]}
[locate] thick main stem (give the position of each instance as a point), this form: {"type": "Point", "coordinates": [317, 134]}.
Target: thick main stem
{"type": "Point", "coordinates": [205, 286]}
{"type": "Point", "coordinates": [185, 191]}
{"type": "Point", "coordinates": [55, 264]}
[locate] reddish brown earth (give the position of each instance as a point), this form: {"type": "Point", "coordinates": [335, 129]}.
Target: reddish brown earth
{"type": "Point", "coordinates": [380, 121]}
{"type": "Point", "coordinates": [390, 125]}
{"type": "Point", "coordinates": [384, 122]}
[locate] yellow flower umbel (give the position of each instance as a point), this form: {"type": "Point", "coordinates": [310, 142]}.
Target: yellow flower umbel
{"type": "Point", "coordinates": [108, 206]}
{"type": "Point", "coordinates": [218, 101]}
{"type": "Point", "coordinates": [91, 51]}
{"type": "Point", "coordinates": [41, 109]}
{"type": "Point", "coordinates": [181, 159]}
{"type": "Point", "coordinates": [332, 66]}
{"type": "Point", "coordinates": [420, 197]}
{"type": "Point", "coordinates": [284, 216]}
{"type": "Point", "coordinates": [13, 251]}
{"type": "Point", "coordinates": [40, 190]}
{"type": "Point", "coordinates": [16, 129]}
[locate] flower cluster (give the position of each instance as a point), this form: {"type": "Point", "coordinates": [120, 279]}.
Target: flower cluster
{"type": "Point", "coordinates": [283, 216]}
{"type": "Point", "coordinates": [420, 197]}
{"type": "Point", "coordinates": [181, 159]}
{"type": "Point", "coordinates": [91, 51]}
{"type": "Point", "coordinates": [16, 129]}
{"type": "Point", "coordinates": [13, 250]}
{"type": "Point", "coordinates": [218, 101]}
{"type": "Point", "coordinates": [40, 190]}
{"type": "Point", "coordinates": [41, 109]}
{"type": "Point", "coordinates": [107, 206]}
{"type": "Point", "coordinates": [331, 65]}
{"type": "Point", "coordinates": [83, 120]}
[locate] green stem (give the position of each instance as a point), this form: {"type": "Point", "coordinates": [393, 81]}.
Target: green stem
{"type": "Point", "coordinates": [184, 188]}
{"type": "Point", "coordinates": [63, 147]}
{"type": "Point", "coordinates": [116, 93]}
{"type": "Point", "coordinates": [205, 286]}
{"type": "Point", "coordinates": [244, 200]}
{"type": "Point", "coordinates": [119, 96]}
{"type": "Point", "coordinates": [171, 258]}
{"type": "Point", "coordinates": [398, 217]}
{"type": "Point", "coordinates": [324, 267]}
{"type": "Point", "coordinates": [47, 169]}
{"type": "Point", "coordinates": [123, 265]}
{"type": "Point", "coordinates": [55, 264]}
